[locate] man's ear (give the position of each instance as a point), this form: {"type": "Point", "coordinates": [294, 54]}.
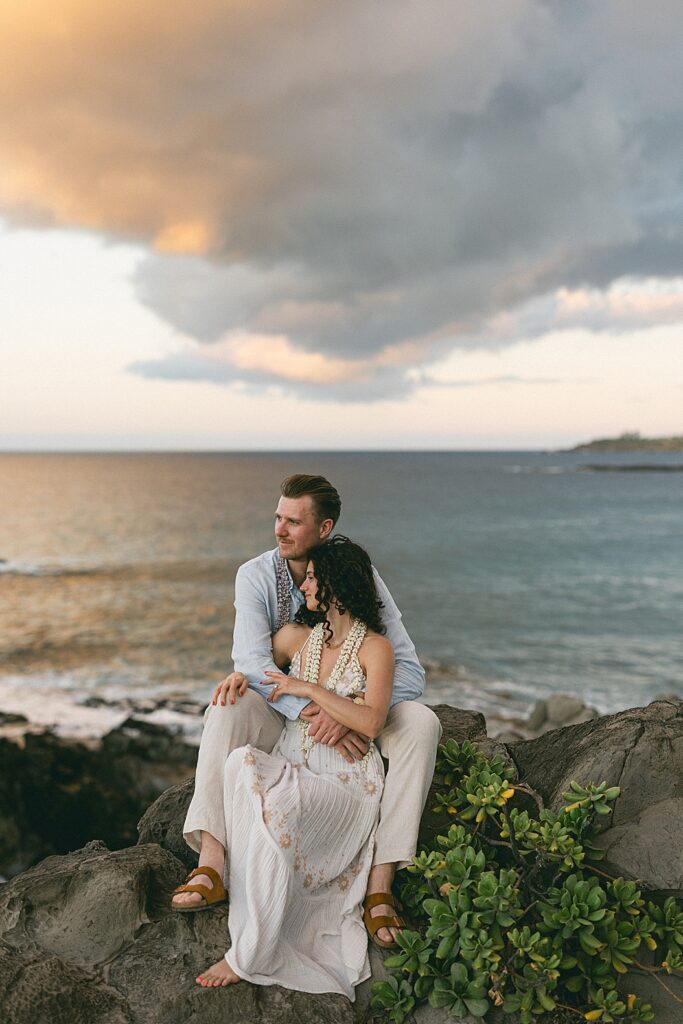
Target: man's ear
{"type": "Point", "coordinates": [326, 528]}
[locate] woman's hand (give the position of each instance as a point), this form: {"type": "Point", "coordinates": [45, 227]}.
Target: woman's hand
{"type": "Point", "coordinates": [285, 685]}
{"type": "Point", "coordinates": [234, 685]}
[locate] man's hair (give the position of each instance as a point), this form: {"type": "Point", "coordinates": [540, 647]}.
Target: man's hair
{"type": "Point", "coordinates": [325, 498]}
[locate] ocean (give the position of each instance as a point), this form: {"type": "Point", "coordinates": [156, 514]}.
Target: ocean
{"type": "Point", "coordinates": [519, 574]}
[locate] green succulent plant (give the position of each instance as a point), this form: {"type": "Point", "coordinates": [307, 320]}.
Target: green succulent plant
{"type": "Point", "coordinates": [508, 909]}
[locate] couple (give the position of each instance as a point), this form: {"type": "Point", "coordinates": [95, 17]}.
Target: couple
{"type": "Point", "coordinates": [290, 801]}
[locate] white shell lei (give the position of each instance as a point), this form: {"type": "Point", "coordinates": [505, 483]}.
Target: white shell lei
{"type": "Point", "coordinates": [348, 653]}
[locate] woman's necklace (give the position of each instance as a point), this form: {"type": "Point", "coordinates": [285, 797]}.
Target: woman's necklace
{"type": "Point", "coordinates": [348, 653]}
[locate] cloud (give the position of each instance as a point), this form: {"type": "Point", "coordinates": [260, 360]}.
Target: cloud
{"type": "Point", "coordinates": [273, 362]}
{"type": "Point", "coordinates": [333, 182]}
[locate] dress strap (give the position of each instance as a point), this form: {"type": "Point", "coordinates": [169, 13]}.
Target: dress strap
{"type": "Point", "coordinates": [299, 653]}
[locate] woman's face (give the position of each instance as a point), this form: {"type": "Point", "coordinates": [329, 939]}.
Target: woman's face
{"type": "Point", "coordinates": [309, 588]}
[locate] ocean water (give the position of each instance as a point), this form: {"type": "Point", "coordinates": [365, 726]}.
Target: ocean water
{"type": "Point", "coordinates": [518, 574]}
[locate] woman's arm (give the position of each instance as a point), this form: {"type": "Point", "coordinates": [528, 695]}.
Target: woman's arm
{"type": "Point", "coordinates": [377, 660]}
{"type": "Point", "coordinates": [286, 642]}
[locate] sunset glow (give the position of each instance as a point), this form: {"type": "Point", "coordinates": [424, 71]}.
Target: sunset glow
{"type": "Point", "coordinates": [465, 231]}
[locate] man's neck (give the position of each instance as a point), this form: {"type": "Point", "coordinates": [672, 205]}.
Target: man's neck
{"type": "Point", "coordinates": [297, 568]}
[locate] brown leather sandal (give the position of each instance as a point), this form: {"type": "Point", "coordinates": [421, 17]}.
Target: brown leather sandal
{"type": "Point", "coordinates": [210, 897]}
{"type": "Point", "coordinates": [373, 924]}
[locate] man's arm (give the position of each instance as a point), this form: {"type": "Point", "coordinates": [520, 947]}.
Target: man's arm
{"type": "Point", "coordinates": [409, 677]}
{"type": "Point", "coordinates": [252, 651]}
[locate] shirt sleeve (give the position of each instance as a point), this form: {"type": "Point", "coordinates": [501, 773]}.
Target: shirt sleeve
{"type": "Point", "coordinates": [409, 676]}
{"type": "Point", "coordinates": [252, 650]}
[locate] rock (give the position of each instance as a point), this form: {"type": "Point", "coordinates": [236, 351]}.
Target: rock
{"type": "Point", "coordinates": [57, 793]}
{"type": "Point", "coordinates": [40, 987]}
{"type": "Point", "coordinates": [509, 736]}
{"type": "Point", "coordinates": [9, 718]}
{"type": "Point", "coordinates": [86, 907]}
{"type": "Point", "coordinates": [666, 1009]}
{"type": "Point", "coordinates": [162, 823]}
{"type": "Point", "coordinates": [560, 708]}
{"type": "Point", "coordinates": [89, 937]}
{"type": "Point", "coordinates": [640, 750]}
{"type": "Point", "coordinates": [538, 716]}
{"type": "Point", "coordinates": [648, 847]}
{"type": "Point", "coordinates": [459, 724]}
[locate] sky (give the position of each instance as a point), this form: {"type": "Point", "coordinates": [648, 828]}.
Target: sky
{"type": "Point", "coordinates": [425, 224]}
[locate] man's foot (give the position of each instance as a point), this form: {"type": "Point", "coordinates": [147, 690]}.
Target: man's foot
{"type": "Point", "coordinates": [388, 913]}
{"type": "Point", "coordinates": [380, 880]}
{"type": "Point", "coordinates": [218, 976]}
{"type": "Point", "coordinates": [185, 900]}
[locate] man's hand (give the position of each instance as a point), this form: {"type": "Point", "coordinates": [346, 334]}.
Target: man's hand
{"type": "Point", "coordinates": [321, 726]}
{"type": "Point", "coordinates": [352, 747]}
{"type": "Point", "coordinates": [233, 686]}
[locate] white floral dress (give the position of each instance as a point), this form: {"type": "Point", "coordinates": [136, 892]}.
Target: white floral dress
{"type": "Point", "coordinates": [300, 846]}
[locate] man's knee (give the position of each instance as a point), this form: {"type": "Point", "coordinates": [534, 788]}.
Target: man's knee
{"type": "Point", "coordinates": [411, 725]}
{"type": "Point", "coordinates": [420, 718]}
{"type": "Point", "coordinates": [224, 719]}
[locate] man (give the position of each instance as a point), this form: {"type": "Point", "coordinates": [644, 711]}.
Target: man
{"type": "Point", "coordinates": [267, 597]}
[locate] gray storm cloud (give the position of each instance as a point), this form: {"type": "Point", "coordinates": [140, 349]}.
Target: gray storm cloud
{"type": "Point", "coordinates": [372, 184]}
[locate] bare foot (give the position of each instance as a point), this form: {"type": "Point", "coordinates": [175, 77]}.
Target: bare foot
{"type": "Point", "coordinates": [218, 976]}
{"type": "Point", "coordinates": [192, 899]}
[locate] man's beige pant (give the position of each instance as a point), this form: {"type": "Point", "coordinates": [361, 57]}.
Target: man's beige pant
{"type": "Point", "coordinates": [408, 742]}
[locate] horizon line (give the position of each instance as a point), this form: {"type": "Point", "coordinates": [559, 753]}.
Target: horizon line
{"type": "Point", "coordinates": [275, 451]}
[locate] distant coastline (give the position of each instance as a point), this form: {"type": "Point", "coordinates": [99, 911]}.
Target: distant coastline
{"type": "Point", "coordinates": [631, 442]}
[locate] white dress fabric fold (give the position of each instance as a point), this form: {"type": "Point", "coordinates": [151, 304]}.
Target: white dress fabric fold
{"type": "Point", "coordinates": [300, 845]}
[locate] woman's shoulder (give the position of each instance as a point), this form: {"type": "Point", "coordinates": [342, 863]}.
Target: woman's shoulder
{"type": "Point", "coordinates": [292, 636]}
{"type": "Point", "coordinates": [376, 644]}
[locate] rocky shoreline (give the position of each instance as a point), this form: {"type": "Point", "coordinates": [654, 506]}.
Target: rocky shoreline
{"type": "Point", "coordinates": [94, 771]}
{"type": "Point", "coordinates": [88, 936]}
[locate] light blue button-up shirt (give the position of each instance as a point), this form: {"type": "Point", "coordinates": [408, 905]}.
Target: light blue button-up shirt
{"type": "Point", "coordinates": [256, 618]}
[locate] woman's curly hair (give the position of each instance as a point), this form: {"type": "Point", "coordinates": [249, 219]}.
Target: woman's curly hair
{"type": "Point", "coordinates": [344, 575]}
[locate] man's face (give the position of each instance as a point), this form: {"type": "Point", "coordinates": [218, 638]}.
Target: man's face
{"type": "Point", "coordinates": [297, 528]}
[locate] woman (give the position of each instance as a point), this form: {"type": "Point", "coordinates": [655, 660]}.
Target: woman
{"type": "Point", "coordinates": [301, 821]}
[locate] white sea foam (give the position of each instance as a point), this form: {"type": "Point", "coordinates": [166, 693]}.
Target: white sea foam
{"type": "Point", "coordinates": [21, 568]}
{"type": "Point", "coordinates": [12, 568]}
{"type": "Point", "coordinates": [54, 707]}
{"type": "Point", "coordinates": [44, 707]}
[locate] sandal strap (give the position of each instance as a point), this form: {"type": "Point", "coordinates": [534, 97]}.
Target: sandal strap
{"type": "Point", "coordinates": [209, 872]}
{"type": "Point", "coordinates": [203, 890]}
{"type": "Point", "coordinates": [373, 924]}
{"type": "Point", "coordinates": [214, 895]}
{"type": "Point", "coordinates": [377, 898]}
